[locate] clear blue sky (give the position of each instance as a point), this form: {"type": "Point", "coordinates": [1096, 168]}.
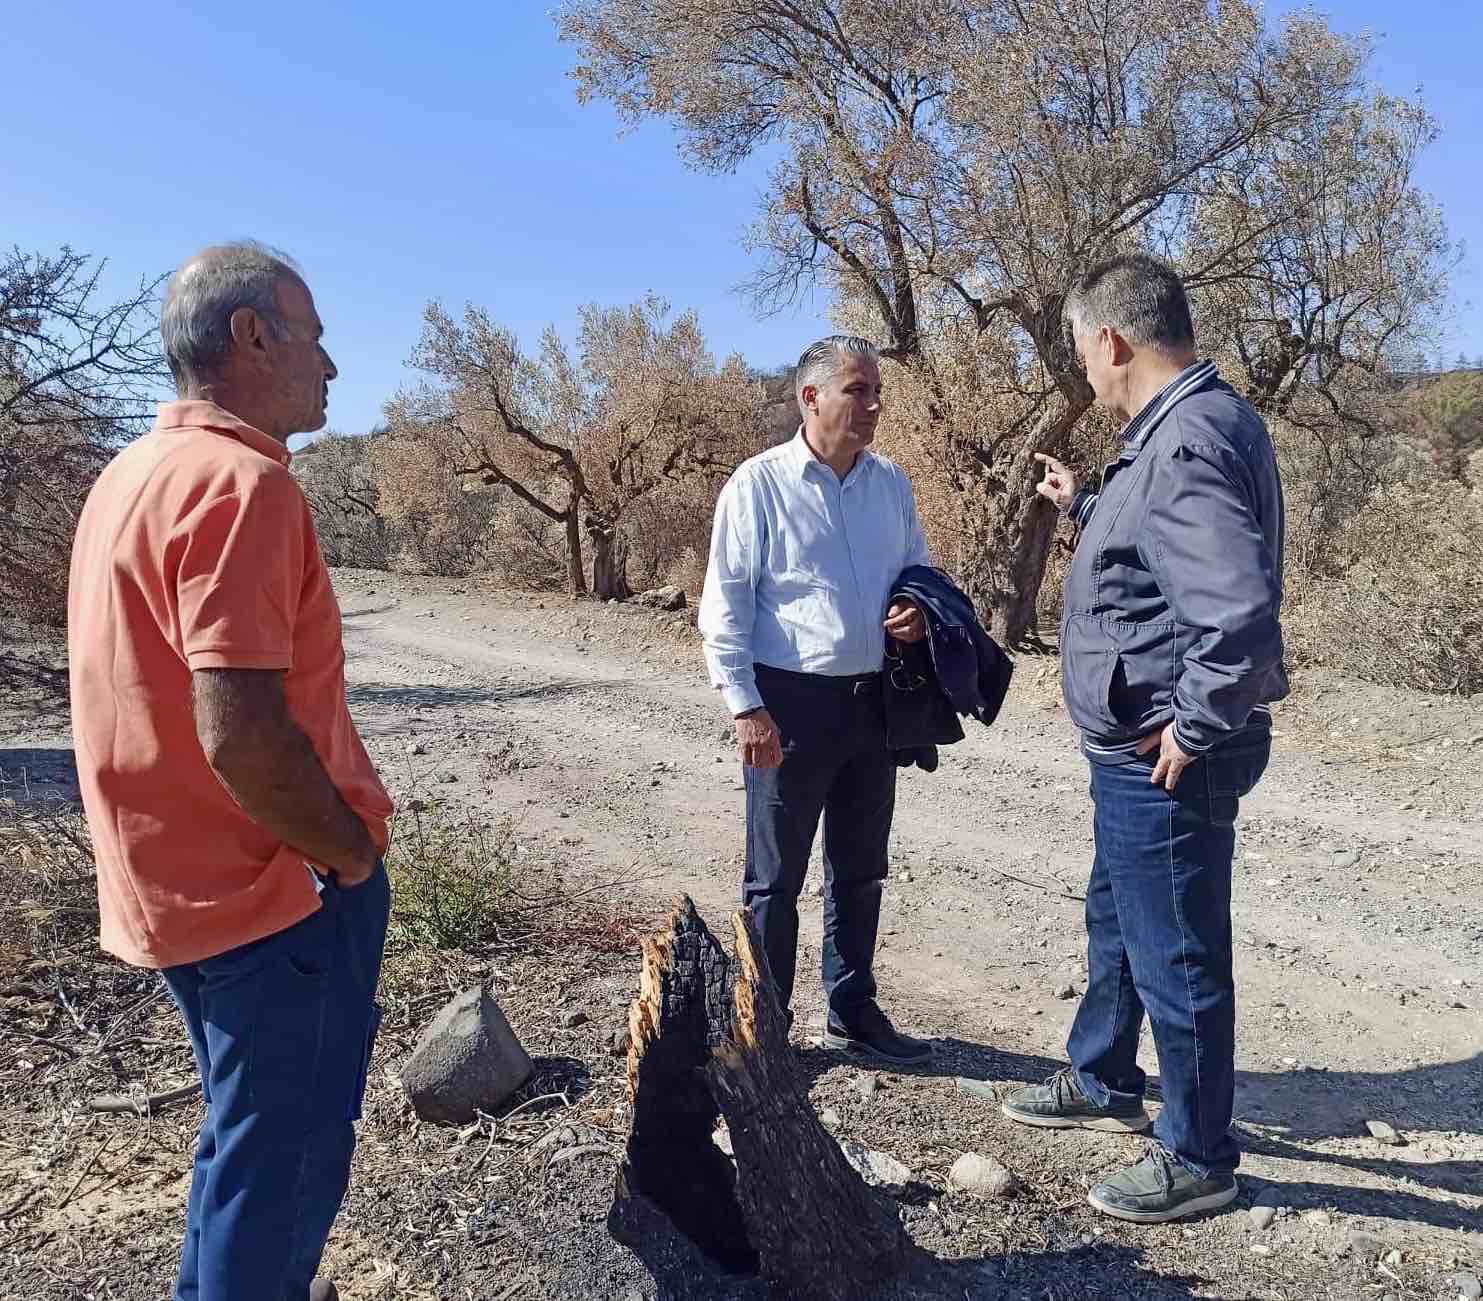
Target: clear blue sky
{"type": "Point", "coordinates": [408, 151]}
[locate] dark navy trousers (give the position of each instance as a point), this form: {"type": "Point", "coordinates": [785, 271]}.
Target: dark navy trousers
{"type": "Point", "coordinates": [282, 1031]}
{"type": "Point", "coordinates": [835, 765]}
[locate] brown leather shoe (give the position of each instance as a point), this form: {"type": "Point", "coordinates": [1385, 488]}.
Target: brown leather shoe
{"type": "Point", "coordinates": [323, 1290]}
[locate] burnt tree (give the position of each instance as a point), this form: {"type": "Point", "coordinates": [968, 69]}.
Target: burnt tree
{"type": "Point", "coordinates": [791, 1218]}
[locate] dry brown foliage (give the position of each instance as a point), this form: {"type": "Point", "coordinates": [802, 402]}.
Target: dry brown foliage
{"type": "Point", "coordinates": [586, 439]}
{"type": "Point", "coordinates": [950, 166]}
{"type": "Point", "coordinates": [75, 377]}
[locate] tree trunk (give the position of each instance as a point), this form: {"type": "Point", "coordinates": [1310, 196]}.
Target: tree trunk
{"type": "Point", "coordinates": [576, 567]}
{"type": "Point", "coordinates": [609, 560]}
{"type": "Point", "coordinates": [1004, 578]}
{"type": "Point", "coordinates": [709, 1040]}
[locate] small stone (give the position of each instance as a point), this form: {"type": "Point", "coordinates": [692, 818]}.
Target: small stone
{"type": "Point", "coordinates": [1065, 991]}
{"type": "Point", "coordinates": [722, 1139]}
{"type": "Point", "coordinates": [816, 890]}
{"type": "Point", "coordinates": [1318, 1219]}
{"type": "Point", "coordinates": [830, 1118]}
{"type": "Point", "coordinates": [867, 1086]}
{"type": "Point", "coordinates": [1466, 1287]}
{"type": "Point", "coordinates": [1392, 1257]}
{"type": "Point", "coordinates": [907, 878]}
{"type": "Point", "coordinates": [572, 1019]}
{"type": "Point", "coordinates": [975, 1173]}
{"type": "Point", "coordinates": [1361, 1243]}
{"type": "Point", "coordinates": [416, 747]}
{"type": "Point", "coordinates": [1383, 1133]}
{"type": "Point", "coordinates": [1260, 1217]}
{"type": "Point", "coordinates": [620, 1041]}
{"type": "Point", "coordinates": [878, 1169]}
{"type": "Point", "coordinates": [977, 1089]}
{"type": "Point", "coordinates": [1260, 1249]}
{"type": "Point", "coordinates": [1346, 858]}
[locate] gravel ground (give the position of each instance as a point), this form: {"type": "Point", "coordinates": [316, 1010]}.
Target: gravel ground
{"type": "Point", "coordinates": [1359, 968]}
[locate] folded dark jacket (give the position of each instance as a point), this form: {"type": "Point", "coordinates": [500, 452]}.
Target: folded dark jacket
{"type": "Point", "coordinates": [956, 669]}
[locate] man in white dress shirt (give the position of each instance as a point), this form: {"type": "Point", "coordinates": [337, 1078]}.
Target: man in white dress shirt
{"type": "Point", "coordinates": [809, 538]}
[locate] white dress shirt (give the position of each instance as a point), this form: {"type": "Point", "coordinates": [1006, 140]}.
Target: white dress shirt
{"type": "Point", "coordinates": [801, 567]}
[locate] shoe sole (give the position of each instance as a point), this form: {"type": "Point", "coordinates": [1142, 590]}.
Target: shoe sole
{"type": "Point", "coordinates": [842, 1044]}
{"type": "Point", "coordinates": [1102, 1124]}
{"type": "Point", "coordinates": [1210, 1202]}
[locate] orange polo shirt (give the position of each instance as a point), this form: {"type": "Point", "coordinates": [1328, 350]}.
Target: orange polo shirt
{"type": "Point", "coordinates": [196, 549]}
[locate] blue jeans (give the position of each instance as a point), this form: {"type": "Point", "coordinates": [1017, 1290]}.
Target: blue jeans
{"type": "Point", "coordinates": [835, 764]}
{"type": "Point", "coordinates": [1158, 919]}
{"type": "Point", "coordinates": [282, 1031]}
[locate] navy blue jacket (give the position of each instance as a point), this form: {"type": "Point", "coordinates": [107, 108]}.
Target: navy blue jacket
{"type": "Point", "coordinates": [957, 669]}
{"type": "Point", "coordinates": [1172, 602]}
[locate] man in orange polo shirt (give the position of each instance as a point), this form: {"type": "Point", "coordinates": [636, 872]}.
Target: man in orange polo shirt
{"type": "Point", "coordinates": [237, 821]}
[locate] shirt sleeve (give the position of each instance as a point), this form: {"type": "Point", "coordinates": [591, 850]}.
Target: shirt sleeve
{"type": "Point", "coordinates": [1217, 572]}
{"type": "Point", "coordinates": [237, 566]}
{"type": "Point", "coordinates": [728, 602]}
{"type": "Point", "coordinates": [916, 538]}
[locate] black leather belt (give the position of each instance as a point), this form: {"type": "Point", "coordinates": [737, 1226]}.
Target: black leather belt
{"type": "Point", "coordinates": [856, 684]}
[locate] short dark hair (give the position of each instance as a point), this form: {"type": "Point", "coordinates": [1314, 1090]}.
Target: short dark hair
{"type": "Point", "coordinates": [1139, 296]}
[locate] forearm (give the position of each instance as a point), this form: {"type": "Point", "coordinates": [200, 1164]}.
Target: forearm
{"type": "Point", "coordinates": [275, 775]}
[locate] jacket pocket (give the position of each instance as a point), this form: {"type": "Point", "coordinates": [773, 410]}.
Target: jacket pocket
{"type": "Point", "coordinates": [1088, 659]}
{"type": "Point", "coordinates": [1142, 686]}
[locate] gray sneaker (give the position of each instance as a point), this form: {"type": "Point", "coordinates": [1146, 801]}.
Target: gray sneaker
{"type": "Point", "coordinates": [1160, 1188]}
{"type": "Point", "coordinates": [1059, 1103]}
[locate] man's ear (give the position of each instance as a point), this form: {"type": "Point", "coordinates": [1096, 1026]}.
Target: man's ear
{"type": "Point", "coordinates": [810, 396]}
{"type": "Point", "coordinates": [1120, 351]}
{"type": "Point", "coordinates": [248, 329]}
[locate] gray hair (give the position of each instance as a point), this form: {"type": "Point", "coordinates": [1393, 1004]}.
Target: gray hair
{"type": "Point", "coordinates": [821, 361]}
{"type": "Point", "coordinates": [1140, 297]}
{"type": "Point", "coordinates": [196, 319]}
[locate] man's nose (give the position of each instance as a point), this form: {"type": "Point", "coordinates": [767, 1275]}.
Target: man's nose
{"type": "Point", "coordinates": [331, 371]}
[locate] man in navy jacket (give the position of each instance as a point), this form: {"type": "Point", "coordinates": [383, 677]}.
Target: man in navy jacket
{"type": "Point", "coordinates": [1171, 653]}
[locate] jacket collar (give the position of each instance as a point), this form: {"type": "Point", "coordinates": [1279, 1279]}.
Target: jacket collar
{"type": "Point", "coordinates": [1191, 378]}
{"type": "Point", "coordinates": [174, 417]}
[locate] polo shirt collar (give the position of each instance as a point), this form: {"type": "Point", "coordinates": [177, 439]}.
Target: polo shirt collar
{"type": "Point", "coordinates": [198, 414]}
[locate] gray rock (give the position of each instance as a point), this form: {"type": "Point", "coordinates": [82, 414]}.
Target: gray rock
{"type": "Point", "coordinates": [1346, 858]}
{"type": "Point", "coordinates": [1318, 1219]}
{"type": "Point", "coordinates": [620, 1041]}
{"type": "Point", "coordinates": [572, 1019]}
{"type": "Point", "coordinates": [1383, 1133]}
{"type": "Point", "coordinates": [1360, 1243]}
{"type": "Point", "coordinates": [467, 1060]}
{"type": "Point", "coordinates": [977, 1089]}
{"type": "Point", "coordinates": [975, 1173]}
{"type": "Point", "coordinates": [878, 1169]}
{"type": "Point", "coordinates": [867, 1086]}
{"type": "Point", "coordinates": [416, 748]}
{"type": "Point", "coordinates": [1065, 991]}
{"type": "Point", "coordinates": [663, 598]}
{"type": "Point", "coordinates": [1467, 1287]}
{"type": "Point", "coordinates": [830, 1118]}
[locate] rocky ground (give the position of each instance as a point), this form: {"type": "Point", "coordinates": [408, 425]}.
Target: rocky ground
{"type": "Point", "coordinates": [591, 727]}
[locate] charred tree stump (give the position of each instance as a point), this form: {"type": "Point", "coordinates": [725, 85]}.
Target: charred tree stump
{"type": "Point", "coordinates": [709, 1039]}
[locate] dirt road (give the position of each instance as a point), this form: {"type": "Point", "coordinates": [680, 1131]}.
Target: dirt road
{"type": "Point", "coordinates": [1358, 881]}
{"type": "Point", "coordinates": [1357, 895]}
